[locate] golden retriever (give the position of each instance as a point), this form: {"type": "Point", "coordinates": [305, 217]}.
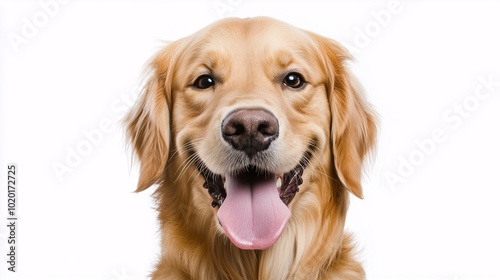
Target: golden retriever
{"type": "Point", "coordinates": [254, 132]}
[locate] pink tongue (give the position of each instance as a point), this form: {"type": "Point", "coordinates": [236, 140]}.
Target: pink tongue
{"type": "Point", "coordinates": [253, 215]}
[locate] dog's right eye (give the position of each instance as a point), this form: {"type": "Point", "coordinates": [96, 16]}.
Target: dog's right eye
{"type": "Point", "coordinates": [204, 82]}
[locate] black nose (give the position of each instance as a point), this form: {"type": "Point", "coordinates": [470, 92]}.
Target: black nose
{"type": "Point", "coordinates": [250, 130]}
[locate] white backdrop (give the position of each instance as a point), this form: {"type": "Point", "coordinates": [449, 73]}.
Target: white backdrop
{"type": "Point", "coordinates": [69, 70]}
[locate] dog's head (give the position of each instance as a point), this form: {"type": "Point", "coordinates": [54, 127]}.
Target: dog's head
{"type": "Point", "coordinates": [252, 105]}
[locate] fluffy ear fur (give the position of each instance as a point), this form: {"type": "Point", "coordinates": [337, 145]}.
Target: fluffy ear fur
{"type": "Point", "coordinates": [148, 122]}
{"type": "Point", "coordinates": [353, 130]}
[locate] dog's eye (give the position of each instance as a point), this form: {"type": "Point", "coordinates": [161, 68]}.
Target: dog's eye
{"type": "Point", "coordinates": [204, 82]}
{"type": "Point", "coordinates": [294, 80]}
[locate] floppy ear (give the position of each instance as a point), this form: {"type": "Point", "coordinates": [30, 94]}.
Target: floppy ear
{"type": "Point", "coordinates": [148, 122]}
{"type": "Point", "coordinates": [353, 127]}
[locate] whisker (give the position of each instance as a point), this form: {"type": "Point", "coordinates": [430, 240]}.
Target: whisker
{"type": "Point", "coordinates": [314, 155]}
{"type": "Point", "coordinates": [192, 158]}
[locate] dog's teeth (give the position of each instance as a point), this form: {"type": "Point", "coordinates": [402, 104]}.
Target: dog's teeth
{"type": "Point", "coordinates": [278, 182]}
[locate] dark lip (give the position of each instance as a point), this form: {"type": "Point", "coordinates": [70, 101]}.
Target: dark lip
{"type": "Point", "coordinates": [290, 181]}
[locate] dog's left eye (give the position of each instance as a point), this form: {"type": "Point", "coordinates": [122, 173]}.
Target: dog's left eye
{"type": "Point", "coordinates": [204, 82]}
{"type": "Point", "coordinates": [294, 80]}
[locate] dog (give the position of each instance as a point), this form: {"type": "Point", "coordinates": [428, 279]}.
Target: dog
{"type": "Point", "coordinates": [254, 132]}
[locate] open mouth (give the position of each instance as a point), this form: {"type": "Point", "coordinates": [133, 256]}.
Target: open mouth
{"type": "Point", "coordinates": [253, 203]}
{"type": "Point", "coordinates": [287, 184]}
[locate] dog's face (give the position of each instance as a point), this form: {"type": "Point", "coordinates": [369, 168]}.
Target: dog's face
{"type": "Point", "coordinates": [255, 107]}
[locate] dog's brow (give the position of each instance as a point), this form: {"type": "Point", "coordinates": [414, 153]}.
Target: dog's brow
{"type": "Point", "coordinates": [282, 58]}
{"type": "Point", "coordinates": [211, 59]}
{"type": "Point", "coordinates": [216, 59]}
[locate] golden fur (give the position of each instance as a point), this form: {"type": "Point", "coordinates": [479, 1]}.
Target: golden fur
{"type": "Point", "coordinates": [171, 118]}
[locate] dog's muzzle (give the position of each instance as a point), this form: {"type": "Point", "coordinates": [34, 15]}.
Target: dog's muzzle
{"type": "Point", "coordinates": [253, 202]}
